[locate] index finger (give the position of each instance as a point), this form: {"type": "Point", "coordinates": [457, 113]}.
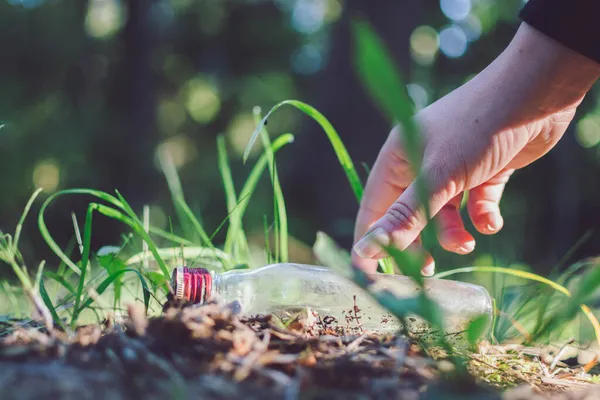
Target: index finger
{"type": "Point", "coordinates": [390, 176]}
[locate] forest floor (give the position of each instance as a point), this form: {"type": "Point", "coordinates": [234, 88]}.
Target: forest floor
{"type": "Point", "coordinates": [210, 352]}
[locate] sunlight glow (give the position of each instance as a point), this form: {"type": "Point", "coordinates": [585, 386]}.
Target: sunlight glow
{"type": "Point", "coordinates": [239, 131]}
{"type": "Point", "coordinates": [46, 174]}
{"type": "Point", "coordinates": [456, 10]}
{"type": "Point", "coordinates": [588, 131]}
{"type": "Point", "coordinates": [308, 15]}
{"type": "Point", "coordinates": [453, 41]}
{"type": "Point", "coordinates": [180, 148]}
{"type": "Point", "coordinates": [202, 100]}
{"type": "Point", "coordinates": [104, 18]}
{"type": "Point", "coordinates": [171, 116]}
{"type": "Point", "coordinates": [424, 44]}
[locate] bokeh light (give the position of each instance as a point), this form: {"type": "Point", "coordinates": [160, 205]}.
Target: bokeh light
{"type": "Point", "coordinates": [180, 150]}
{"type": "Point", "coordinates": [456, 10]}
{"type": "Point", "coordinates": [472, 27]}
{"type": "Point", "coordinates": [202, 100]}
{"type": "Point", "coordinates": [424, 44]}
{"type": "Point", "coordinates": [239, 131]}
{"type": "Point", "coordinates": [308, 16]}
{"type": "Point", "coordinates": [333, 11]}
{"type": "Point", "coordinates": [171, 116]}
{"type": "Point", "coordinates": [307, 60]}
{"type": "Point", "coordinates": [588, 131]}
{"type": "Point", "coordinates": [453, 41]}
{"type": "Point", "coordinates": [104, 18]}
{"type": "Point", "coordinates": [46, 175]}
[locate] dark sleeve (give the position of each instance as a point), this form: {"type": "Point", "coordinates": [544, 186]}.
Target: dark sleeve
{"type": "Point", "coordinates": [574, 23]}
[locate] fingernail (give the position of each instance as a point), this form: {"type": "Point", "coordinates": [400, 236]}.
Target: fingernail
{"type": "Point", "coordinates": [370, 244]}
{"type": "Point", "coordinates": [466, 247]}
{"type": "Point", "coordinates": [428, 270]}
{"type": "Point", "coordinates": [495, 222]}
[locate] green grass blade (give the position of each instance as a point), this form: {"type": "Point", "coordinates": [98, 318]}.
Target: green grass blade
{"type": "Point", "coordinates": [335, 140]}
{"type": "Point", "coordinates": [60, 280]}
{"type": "Point", "coordinates": [382, 81]}
{"type": "Point", "coordinates": [169, 236]}
{"type": "Point", "coordinates": [87, 238]}
{"type": "Point", "coordinates": [236, 243]}
{"type": "Point", "coordinates": [188, 253]}
{"type": "Point", "coordinates": [46, 233]}
{"type": "Point", "coordinates": [111, 278]}
{"type": "Point", "coordinates": [279, 201]}
{"type": "Point", "coordinates": [48, 302]}
{"type": "Point", "coordinates": [134, 222]}
{"type": "Point", "coordinates": [38, 276]}
{"type": "Point", "coordinates": [380, 76]}
{"type": "Point", "coordinates": [22, 220]}
{"type": "Point", "coordinates": [183, 209]}
{"type": "Point", "coordinates": [255, 174]}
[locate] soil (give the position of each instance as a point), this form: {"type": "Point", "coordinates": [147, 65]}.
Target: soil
{"type": "Point", "coordinates": [211, 352]}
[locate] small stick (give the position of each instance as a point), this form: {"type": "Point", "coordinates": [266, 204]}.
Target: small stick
{"type": "Point", "coordinates": [356, 342]}
{"type": "Point", "coordinates": [356, 317]}
{"type": "Point", "coordinates": [560, 354]}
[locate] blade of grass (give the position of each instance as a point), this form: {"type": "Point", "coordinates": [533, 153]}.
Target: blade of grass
{"type": "Point", "coordinates": [22, 219]}
{"type": "Point", "coordinates": [381, 79]}
{"type": "Point", "coordinates": [48, 302]}
{"type": "Point", "coordinates": [239, 246]}
{"type": "Point", "coordinates": [281, 227]}
{"type": "Point", "coordinates": [60, 280]}
{"type": "Point", "coordinates": [188, 252]}
{"type": "Point", "coordinates": [169, 236]}
{"type": "Point", "coordinates": [110, 279]}
{"type": "Point", "coordinates": [254, 177]}
{"type": "Point", "coordinates": [46, 233]}
{"type": "Point", "coordinates": [332, 135]}
{"type": "Point", "coordinates": [184, 211]}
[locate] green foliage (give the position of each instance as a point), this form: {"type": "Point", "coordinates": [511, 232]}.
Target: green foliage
{"type": "Point", "coordinates": [477, 329]}
{"type": "Point", "coordinates": [336, 142]}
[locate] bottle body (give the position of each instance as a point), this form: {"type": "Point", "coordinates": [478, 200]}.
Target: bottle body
{"type": "Point", "coordinates": [280, 287]}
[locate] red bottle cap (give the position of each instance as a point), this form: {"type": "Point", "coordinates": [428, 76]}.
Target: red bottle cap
{"type": "Point", "coordinates": [191, 284]}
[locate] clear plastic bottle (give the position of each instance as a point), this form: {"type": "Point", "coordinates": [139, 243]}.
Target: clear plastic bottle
{"type": "Point", "coordinates": [280, 287]}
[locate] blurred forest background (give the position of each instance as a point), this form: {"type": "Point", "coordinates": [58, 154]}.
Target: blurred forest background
{"type": "Point", "coordinates": [90, 89]}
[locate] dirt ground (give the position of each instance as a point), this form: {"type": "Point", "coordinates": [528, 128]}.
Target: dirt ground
{"type": "Point", "coordinates": [210, 352]}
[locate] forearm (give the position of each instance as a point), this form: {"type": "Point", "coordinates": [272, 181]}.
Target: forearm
{"type": "Point", "coordinates": [535, 76]}
{"type": "Point", "coordinates": [547, 74]}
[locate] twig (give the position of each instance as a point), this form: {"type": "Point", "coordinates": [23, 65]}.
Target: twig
{"type": "Point", "coordinates": [355, 343]}
{"type": "Point", "coordinates": [560, 354]}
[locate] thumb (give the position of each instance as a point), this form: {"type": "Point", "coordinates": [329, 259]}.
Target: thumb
{"type": "Point", "coordinates": [404, 220]}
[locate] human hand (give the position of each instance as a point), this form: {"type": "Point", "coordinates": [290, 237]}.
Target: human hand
{"type": "Point", "coordinates": [508, 116]}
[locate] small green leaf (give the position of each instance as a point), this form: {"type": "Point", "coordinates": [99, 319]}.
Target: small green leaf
{"type": "Point", "coordinates": [409, 263]}
{"type": "Point", "coordinates": [49, 305]}
{"type": "Point", "coordinates": [477, 328]}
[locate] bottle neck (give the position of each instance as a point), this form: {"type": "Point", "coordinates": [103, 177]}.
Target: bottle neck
{"type": "Point", "coordinates": [192, 284]}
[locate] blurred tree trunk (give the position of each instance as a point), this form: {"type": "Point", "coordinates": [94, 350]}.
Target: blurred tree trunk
{"type": "Point", "coordinates": [139, 100]}
{"type": "Point", "coordinates": [314, 184]}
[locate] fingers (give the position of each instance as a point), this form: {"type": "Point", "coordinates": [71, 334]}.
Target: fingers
{"type": "Point", "coordinates": [452, 234]}
{"type": "Point", "coordinates": [404, 220]}
{"type": "Point", "coordinates": [390, 175]}
{"type": "Point", "coordinates": [483, 204]}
